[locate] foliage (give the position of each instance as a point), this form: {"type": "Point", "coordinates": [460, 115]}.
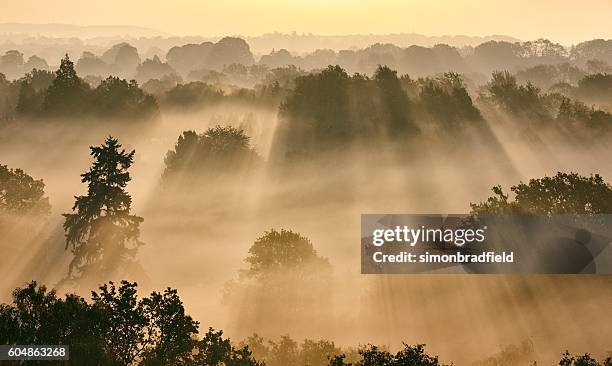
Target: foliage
{"type": "Point", "coordinates": [193, 94]}
{"type": "Point", "coordinates": [280, 251]}
{"type": "Point", "coordinates": [374, 356]}
{"type": "Point", "coordinates": [584, 360]}
{"type": "Point", "coordinates": [67, 93]}
{"type": "Point", "coordinates": [561, 194]}
{"type": "Point", "coordinates": [511, 355]}
{"type": "Point", "coordinates": [153, 69]}
{"type": "Point", "coordinates": [577, 113]}
{"type": "Point", "coordinates": [116, 328]}
{"type": "Point", "coordinates": [287, 351]}
{"type": "Point", "coordinates": [319, 107]}
{"type": "Point", "coordinates": [395, 102]}
{"type": "Point", "coordinates": [21, 194]}
{"type": "Point", "coordinates": [285, 281]}
{"type": "Point", "coordinates": [546, 75]}
{"type": "Point", "coordinates": [214, 350]}
{"type": "Point", "coordinates": [43, 94]}
{"type": "Point", "coordinates": [447, 99]}
{"type": "Point", "coordinates": [33, 88]}
{"type": "Point", "coordinates": [102, 234]}
{"type": "Point", "coordinates": [518, 100]}
{"type": "Point", "coordinates": [330, 109]}
{"type": "Point", "coordinates": [527, 102]}
{"type": "Point", "coordinates": [216, 152]}
{"type": "Point", "coordinates": [595, 88]}
{"type": "Point", "coordinates": [116, 97]}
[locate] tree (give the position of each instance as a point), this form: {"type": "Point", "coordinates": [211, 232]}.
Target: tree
{"type": "Point", "coordinates": [565, 193]}
{"type": "Point", "coordinates": [584, 360]}
{"type": "Point", "coordinates": [595, 88]}
{"type": "Point", "coordinates": [280, 251]}
{"type": "Point", "coordinates": [114, 328]}
{"type": "Point", "coordinates": [283, 352]}
{"type": "Point", "coordinates": [153, 69]}
{"type": "Point", "coordinates": [395, 101]}
{"type": "Point", "coordinates": [576, 113]}
{"type": "Point", "coordinates": [318, 111]}
{"type": "Point", "coordinates": [21, 194]}
{"type": "Point", "coordinates": [38, 316]}
{"type": "Point", "coordinates": [213, 350]}
{"type": "Point", "coordinates": [193, 95]}
{"type": "Point", "coordinates": [11, 64]}
{"type": "Point", "coordinates": [116, 97]}
{"type": "Point", "coordinates": [169, 329]}
{"type": "Point", "coordinates": [102, 234]}
{"type": "Point", "coordinates": [317, 353]}
{"type": "Point", "coordinates": [447, 99]}
{"type": "Point", "coordinates": [29, 101]}
{"type": "Point", "coordinates": [373, 356]}
{"type": "Point", "coordinates": [67, 93]}
{"type": "Point", "coordinates": [154, 330]}
{"type": "Point", "coordinates": [285, 281]}
{"type": "Point", "coordinates": [218, 152]}
{"type": "Point", "coordinates": [518, 100]}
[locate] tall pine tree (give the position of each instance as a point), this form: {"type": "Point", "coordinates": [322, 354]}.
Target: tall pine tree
{"type": "Point", "coordinates": [101, 233]}
{"type": "Point", "coordinates": [67, 93]}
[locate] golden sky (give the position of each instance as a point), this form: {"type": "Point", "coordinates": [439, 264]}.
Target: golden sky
{"type": "Point", "coordinates": [565, 21]}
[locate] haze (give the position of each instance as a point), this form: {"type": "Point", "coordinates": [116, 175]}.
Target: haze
{"type": "Point", "coordinates": [282, 141]}
{"type": "Point", "coordinates": [563, 21]}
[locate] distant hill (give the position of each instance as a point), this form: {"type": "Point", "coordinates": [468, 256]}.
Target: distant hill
{"type": "Point", "coordinates": [300, 43]}
{"type": "Point", "coordinates": [83, 32]}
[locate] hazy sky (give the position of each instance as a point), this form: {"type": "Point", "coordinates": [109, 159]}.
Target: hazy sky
{"type": "Point", "coordinates": [566, 21]}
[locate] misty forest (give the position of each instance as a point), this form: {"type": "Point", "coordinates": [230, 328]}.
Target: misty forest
{"type": "Point", "coordinates": [169, 201]}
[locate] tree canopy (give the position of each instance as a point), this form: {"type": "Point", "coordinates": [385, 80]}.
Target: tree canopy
{"type": "Point", "coordinates": [21, 194]}
{"type": "Point", "coordinates": [101, 233]}
{"type": "Point", "coordinates": [564, 193]}
{"type": "Point", "coordinates": [374, 356]}
{"type": "Point", "coordinates": [284, 250]}
{"type": "Point", "coordinates": [219, 151]}
{"type": "Point", "coordinates": [116, 327]}
{"type": "Point", "coordinates": [67, 93]}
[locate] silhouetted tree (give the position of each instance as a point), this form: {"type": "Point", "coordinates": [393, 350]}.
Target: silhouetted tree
{"type": "Point", "coordinates": [584, 360]}
{"type": "Point", "coordinates": [102, 234]}
{"type": "Point", "coordinates": [396, 105]}
{"type": "Point", "coordinates": [577, 114]}
{"type": "Point", "coordinates": [67, 93]}
{"type": "Point", "coordinates": [116, 97]}
{"type": "Point", "coordinates": [192, 95]}
{"type": "Point", "coordinates": [153, 69]}
{"type": "Point", "coordinates": [213, 350]}
{"type": "Point", "coordinates": [447, 99]}
{"type": "Point", "coordinates": [11, 64]}
{"type": "Point", "coordinates": [374, 356]}
{"type": "Point", "coordinates": [284, 250]}
{"type": "Point", "coordinates": [21, 194]}
{"type": "Point", "coordinates": [33, 88]}
{"type": "Point", "coordinates": [219, 151]}
{"type": "Point", "coordinates": [562, 194]}
{"type": "Point", "coordinates": [115, 328]}
{"type": "Point", "coordinates": [318, 112]}
{"type": "Point", "coordinates": [512, 354]}
{"type": "Point", "coordinates": [518, 100]}
{"type": "Point", "coordinates": [595, 88]}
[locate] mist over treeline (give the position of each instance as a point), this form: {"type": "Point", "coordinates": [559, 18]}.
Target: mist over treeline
{"type": "Point", "coordinates": [61, 38]}
{"type": "Point", "coordinates": [117, 84]}
{"type": "Point", "coordinates": [191, 59]}
{"type": "Point", "coordinates": [240, 183]}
